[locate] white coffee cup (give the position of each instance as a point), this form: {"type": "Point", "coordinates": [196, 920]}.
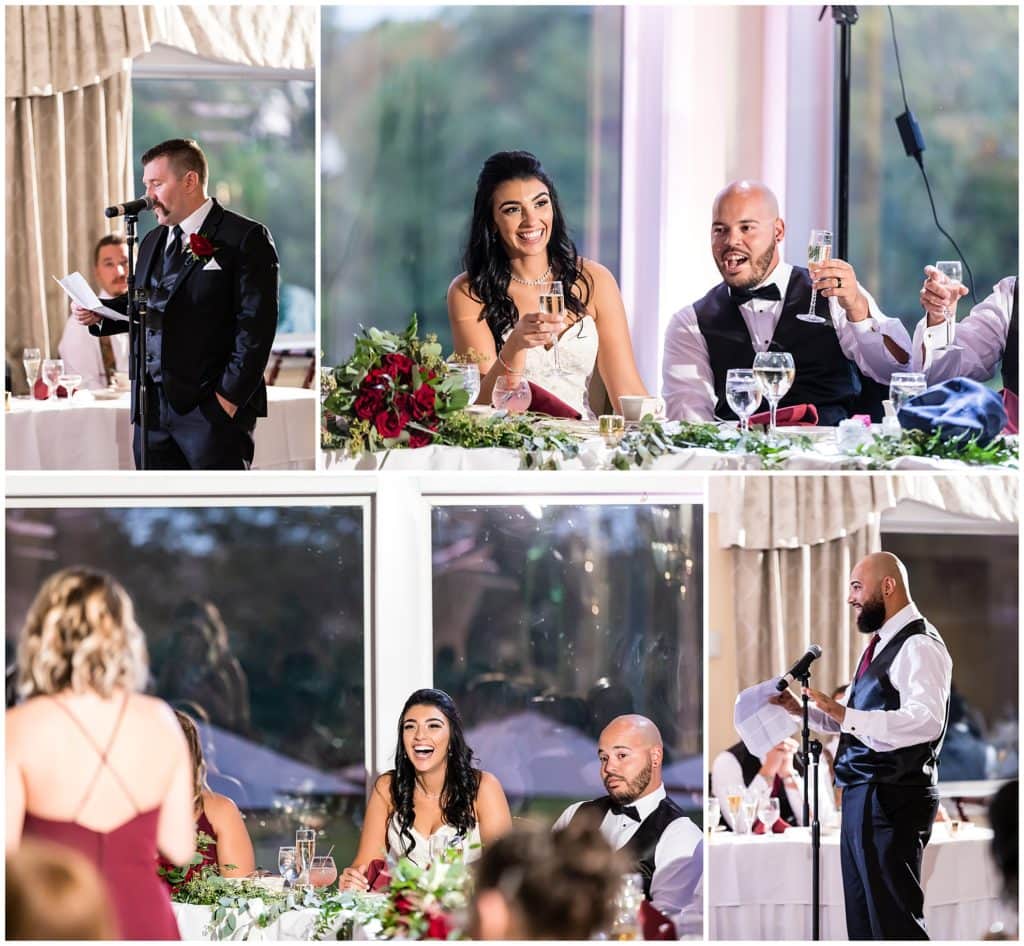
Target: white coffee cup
{"type": "Point", "coordinates": [635, 406]}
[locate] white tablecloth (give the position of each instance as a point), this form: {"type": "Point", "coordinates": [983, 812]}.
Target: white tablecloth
{"type": "Point", "coordinates": [760, 887]}
{"type": "Point", "coordinates": [91, 434]}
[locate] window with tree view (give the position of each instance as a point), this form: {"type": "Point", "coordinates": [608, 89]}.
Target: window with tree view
{"type": "Point", "coordinates": [414, 101]}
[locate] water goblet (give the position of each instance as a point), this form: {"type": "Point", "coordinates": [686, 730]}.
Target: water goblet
{"type": "Point", "coordinates": [743, 394]}
{"type": "Point", "coordinates": [511, 393]}
{"type": "Point", "coordinates": [323, 871]}
{"type": "Point", "coordinates": [952, 273]}
{"type": "Point", "coordinates": [903, 385]}
{"type": "Point", "coordinates": [70, 382]}
{"type": "Point", "coordinates": [469, 374]}
{"type": "Point", "coordinates": [819, 252]}
{"type": "Point", "coordinates": [768, 811]}
{"type": "Point", "coordinates": [775, 371]}
{"type": "Point", "coordinates": [288, 865]}
{"type": "Point", "coordinates": [53, 368]}
{"type": "Point", "coordinates": [31, 359]}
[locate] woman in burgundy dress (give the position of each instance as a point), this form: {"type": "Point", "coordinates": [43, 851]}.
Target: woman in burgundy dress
{"type": "Point", "coordinates": [91, 763]}
{"type": "Point", "coordinates": [221, 836]}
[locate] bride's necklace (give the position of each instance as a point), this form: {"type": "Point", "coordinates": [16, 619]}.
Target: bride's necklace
{"type": "Point", "coordinates": [433, 796]}
{"type": "Point", "coordinates": [531, 282]}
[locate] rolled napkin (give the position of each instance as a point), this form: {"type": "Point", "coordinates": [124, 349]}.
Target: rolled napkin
{"type": "Point", "coordinates": [796, 415]}
{"type": "Point", "coordinates": [1010, 406]}
{"type": "Point", "coordinates": [777, 828]}
{"type": "Point", "coordinates": [41, 393]}
{"type": "Point", "coordinates": [655, 924]}
{"type": "Point", "coordinates": [377, 875]}
{"type": "Point", "coordinates": [958, 408]}
{"type": "Point", "coordinates": [543, 401]}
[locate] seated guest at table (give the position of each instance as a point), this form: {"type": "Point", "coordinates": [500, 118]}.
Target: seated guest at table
{"type": "Point", "coordinates": [119, 789]}
{"type": "Point", "coordinates": [537, 884]}
{"type": "Point", "coordinates": [756, 308]}
{"type": "Point", "coordinates": [965, 756]}
{"type": "Point", "coordinates": [639, 818]}
{"type": "Point", "coordinates": [518, 243]}
{"type": "Point", "coordinates": [53, 892]}
{"type": "Point", "coordinates": [433, 792]}
{"type": "Point", "coordinates": [221, 835]}
{"type": "Point", "coordinates": [97, 359]}
{"type": "Point", "coordinates": [778, 776]}
{"type": "Point", "coordinates": [892, 729]}
{"type": "Point", "coordinates": [1004, 820]}
{"type": "Point", "coordinates": [212, 281]}
{"type": "Point", "coordinates": [986, 340]}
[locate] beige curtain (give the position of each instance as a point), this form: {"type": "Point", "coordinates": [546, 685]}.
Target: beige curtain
{"type": "Point", "coordinates": [68, 123]}
{"type": "Point", "coordinates": [794, 540]}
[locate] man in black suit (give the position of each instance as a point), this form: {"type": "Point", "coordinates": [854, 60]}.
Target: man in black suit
{"type": "Point", "coordinates": [211, 279]}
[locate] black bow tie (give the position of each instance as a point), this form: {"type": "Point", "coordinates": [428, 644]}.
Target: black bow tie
{"type": "Point", "coordinates": [628, 810]}
{"type": "Point", "coordinates": [771, 291]}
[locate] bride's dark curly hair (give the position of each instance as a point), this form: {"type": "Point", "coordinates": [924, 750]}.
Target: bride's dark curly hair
{"type": "Point", "coordinates": [486, 261]}
{"type": "Point", "coordinates": [461, 780]}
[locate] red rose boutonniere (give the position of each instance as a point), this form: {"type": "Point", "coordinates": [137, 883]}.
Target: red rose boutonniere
{"type": "Point", "coordinates": [199, 248]}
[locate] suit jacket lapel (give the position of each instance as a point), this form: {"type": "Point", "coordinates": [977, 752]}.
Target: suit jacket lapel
{"type": "Point", "coordinates": [208, 230]}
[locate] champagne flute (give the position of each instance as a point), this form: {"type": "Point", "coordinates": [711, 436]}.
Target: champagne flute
{"type": "Point", "coordinates": [714, 813]}
{"type": "Point", "coordinates": [903, 385]}
{"type": "Point", "coordinates": [53, 368]}
{"type": "Point", "coordinates": [734, 798]}
{"type": "Point", "coordinates": [775, 371]}
{"type": "Point", "coordinates": [511, 393]}
{"type": "Point", "coordinates": [288, 865]}
{"type": "Point", "coordinates": [743, 394]}
{"type": "Point", "coordinates": [768, 811]}
{"type": "Point", "coordinates": [552, 302]}
{"type": "Point", "coordinates": [953, 275]}
{"type": "Point", "coordinates": [819, 251]}
{"type": "Point", "coordinates": [31, 359]}
{"type": "Point", "coordinates": [749, 812]}
{"type": "Point", "coordinates": [305, 848]}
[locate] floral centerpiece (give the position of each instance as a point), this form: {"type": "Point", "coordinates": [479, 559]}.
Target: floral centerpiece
{"type": "Point", "coordinates": [394, 391]}
{"type": "Point", "coordinates": [425, 902]}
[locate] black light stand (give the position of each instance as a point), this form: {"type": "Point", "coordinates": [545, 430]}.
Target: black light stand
{"type": "Point", "coordinates": [137, 345]}
{"type": "Point", "coordinates": [810, 757]}
{"type": "Point", "coordinates": [844, 18]}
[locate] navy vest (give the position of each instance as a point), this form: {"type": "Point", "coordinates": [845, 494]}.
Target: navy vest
{"type": "Point", "coordinates": [750, 765]}
{"type": "Point", "coordinates": [158, 291]}
{"type": "Point", "coordinates": [913, 765]}
{"type": "Point", "coordinates": [1011, 352]}
{"type": "Point", "coordinates": [645, 839]}
{"type": "Point", "coordinates": [825, 377]}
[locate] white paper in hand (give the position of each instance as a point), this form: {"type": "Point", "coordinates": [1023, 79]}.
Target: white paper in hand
{"type": "Point", "coordinates": [762, 725]}
{"type": "Point", "coordinates": [80, 291]}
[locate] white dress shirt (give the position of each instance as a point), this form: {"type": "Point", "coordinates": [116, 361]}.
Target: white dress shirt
{"type": "Point", "coordinates": [688, 384]}
{"type": "Point", "coordinates": [82, 355]}
{"type": "Point", "coordinates": [676, 889]}
{"type": "Point", "coordinates": [191, 224]}
{"type": "Point", "coordinates": [727, 773]}
{"type": "Point", "coordinates": [921, 673]}
{"type": "Point", "coordinates": [981, 337]}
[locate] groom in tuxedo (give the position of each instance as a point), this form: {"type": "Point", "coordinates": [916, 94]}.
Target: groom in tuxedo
{"type": "Point", "coordinates": [211, 282]}
{"type": "Point", "coordinates": [638, 817]}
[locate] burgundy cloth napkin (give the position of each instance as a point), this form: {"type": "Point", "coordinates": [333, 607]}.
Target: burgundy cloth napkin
{"type": "Point", "coordinates": [655, 924]}
{"type": "Point", "coordinates": [1010, 404]}
{"type": "Point", "coordinates": [377, 874]}
{"type": "Point", "coordinates": [777, 828]}
{"type": "Point", "coordinates": [40, 391]}
{"type": "Point", "coordinates": [797, 415]}
{"type": "Point", "coordinates": [543, 401]}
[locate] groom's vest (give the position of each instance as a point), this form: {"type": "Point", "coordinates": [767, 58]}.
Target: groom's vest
{"type": "Point", "coordinates": [825, 377]}
{"type": "Point", "coordinates": [158, 290]}
{"type": "Point", "coordinates": [640, 847]}
{"type": "Point", "coordinates": [1011, 352]}
{"type": "Point", "coordinates": [912, 765]}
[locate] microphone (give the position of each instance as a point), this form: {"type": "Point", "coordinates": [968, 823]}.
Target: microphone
{"type": "Point", "coordinates": [800, 668]}
{"type": "Point", "coordinates": [130, 208]}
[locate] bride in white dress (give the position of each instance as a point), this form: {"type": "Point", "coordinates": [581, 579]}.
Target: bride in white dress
{"type": "Point", "coordinates": [517, 245]}
{"type": "Point", "coordinates": [433, 799]}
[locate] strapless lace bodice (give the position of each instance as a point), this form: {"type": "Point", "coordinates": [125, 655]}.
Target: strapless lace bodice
{"type": "Point", "coordinates": [577, 354]}
{"type": "Point", "coordinates": [420, 852]}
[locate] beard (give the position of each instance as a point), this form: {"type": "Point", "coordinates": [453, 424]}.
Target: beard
{"type": "Point", "coordinates": [759, 266]}
{"type": "Point", "coordinates": [633, 788]}
{"type": "Point", "coordinates": [871, 616]}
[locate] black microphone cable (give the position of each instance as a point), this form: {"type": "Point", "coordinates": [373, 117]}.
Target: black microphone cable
{"type": "Point", "coordinates": [913, 144]}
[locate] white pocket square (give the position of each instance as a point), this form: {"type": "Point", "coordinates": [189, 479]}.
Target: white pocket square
{"type": "Point", "coordinates": [213, 264]}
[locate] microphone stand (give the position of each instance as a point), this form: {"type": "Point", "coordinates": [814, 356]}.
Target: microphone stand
{"type": "Point", "coordinates": [137, 345]}
{"type": "Point", "coordinates": [810, 757]}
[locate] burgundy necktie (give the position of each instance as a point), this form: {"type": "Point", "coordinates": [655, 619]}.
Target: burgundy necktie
{"type": "Point", "coordinates": [866, 659]}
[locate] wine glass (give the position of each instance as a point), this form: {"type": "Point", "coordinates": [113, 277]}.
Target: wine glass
{"type": "Point", "coordinates": [953, 275]}
{"type": "Point", "coordinates": [53, 368]}
{"type": "Point", "coordinates": [552, 302]}
{"type": "Point", "coordinates": [31, 359]}
{"type": "Point", "coordinates": [323, 872]}
{"type": "Point", "coordinates": [819, 251]}
{"type": "Point", "coordinates": [70, 382]}
{"type": "Point", "coordinates": [712, 816]}
{"type": "Point", "coordinates": [305, 848]}
{"type": "Point", "coordinates": [768, 811]}
{"type": "Point", "coordinates": [288, 865]}
{"type": "Point", "coordinates": [469, 374]}
{"type": "Point", "coordinates": [903, 385]}
{"type": "Point", "coordinates": [775, 371]}
{"type": "Point", "coordinates": [743, 394]}
{"type": "Point", "coordinates": [511, 393]}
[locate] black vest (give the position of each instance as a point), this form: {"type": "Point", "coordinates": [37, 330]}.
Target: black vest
{"type": "Point", "coordinates": [1011, 352]}
{"type": "Point", "coordinates": [158, 290]}
{"type": "Point", "coordinates": [913, 765]}
{"type": "Point", "coordinates": [750, 765]}
{"type": "Point", "coordinates": [825, 377]}
{"type": "Point", "coordinates": [645, 839]}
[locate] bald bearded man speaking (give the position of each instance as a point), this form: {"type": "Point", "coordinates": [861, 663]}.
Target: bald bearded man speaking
{"type": "Point", "coordinates": [638, 816]}
{"type": "Point", "coordinates": [887, 763]}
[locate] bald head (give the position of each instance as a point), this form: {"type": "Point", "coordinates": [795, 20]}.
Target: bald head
{"type": "Point", "coordinates": [746, 230]}
{"type": "Point", "coordinates": [630, 751]}
{"type": "Point", "coordinates": [752, 194]}
{"type": "Point", "coordinates": [879, 588]}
